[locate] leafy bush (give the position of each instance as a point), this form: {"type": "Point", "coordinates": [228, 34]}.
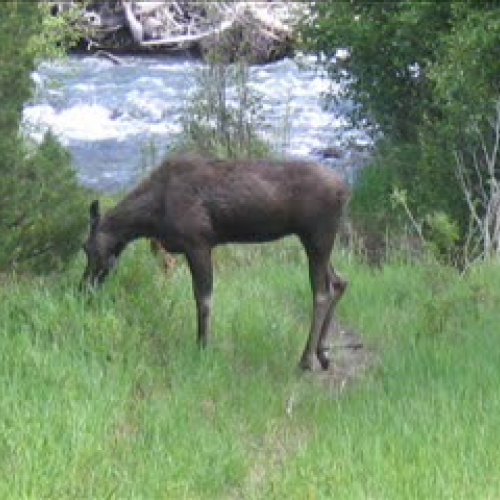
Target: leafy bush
{"type": "Point", "coordinates": [44, 210]}
{"type": "Point", "coordinates": [426, 74]}
{"type": "Point", "coordinates": [391, 45]}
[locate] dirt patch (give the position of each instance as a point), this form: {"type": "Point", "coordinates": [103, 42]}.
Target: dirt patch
{"type": "Point", "coordinates": [350, 358]}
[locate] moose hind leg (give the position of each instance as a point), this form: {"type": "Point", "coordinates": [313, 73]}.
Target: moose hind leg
{"type": "Point", "coordinates": [337, 286]}
{"type": "Point", "coordinates": [200, 265]}
{"type": "Point", "coordinates": [322, 298]}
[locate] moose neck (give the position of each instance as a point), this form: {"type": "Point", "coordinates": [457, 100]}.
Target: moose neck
{"type": "Point", "coordinates": [134, 217]}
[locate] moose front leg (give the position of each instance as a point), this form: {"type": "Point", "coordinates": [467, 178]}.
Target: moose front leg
{"type": "Point", "coordinates": [200, 265]}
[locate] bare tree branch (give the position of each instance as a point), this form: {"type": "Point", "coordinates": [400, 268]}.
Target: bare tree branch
{"type": "Point", "coordinates": [483, 238]}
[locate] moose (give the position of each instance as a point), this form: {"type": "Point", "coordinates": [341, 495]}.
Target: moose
{"type": "Point", "coordinates": [191, 204]}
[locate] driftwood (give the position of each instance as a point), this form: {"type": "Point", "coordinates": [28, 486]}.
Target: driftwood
{"type": "Point", "coordinates": [258, 31]}
{"type": "Point", "coordinates": [110, 57]}
{"type": "Point", "coordinates": [254, 35]}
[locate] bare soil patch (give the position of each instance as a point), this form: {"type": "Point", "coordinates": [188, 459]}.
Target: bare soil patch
{"type": "Point", "coordinates": [350, 358]}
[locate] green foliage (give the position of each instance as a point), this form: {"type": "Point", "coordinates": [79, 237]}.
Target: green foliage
{"type": "Point", "coordinates": [371, 201]}
{"type": "Point", "coordinates": [223, 114]}
{"type": "Point", "coordinates": [18, 22]}
{"type": "Point", "coordinates": [56, 33]}
{"type": "Point", "coordinates": [427, 75]}
{"type": "Point", "coordinates": [41, 214]}
{"type": "Point", "coordinates": [442, 233]}
{"type": "Point", "coordinates": [391, 46]}
{"type": "Point", "coordinates": [466, 74]}
{"type": "Point", "coordinates": [437, 233]}
{"type": "Point", "coordinates": [43, 210]}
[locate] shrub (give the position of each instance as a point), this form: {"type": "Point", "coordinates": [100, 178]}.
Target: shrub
{"type": "Point", "coordinates": [223, 115]}
{"type": "Point", "coordinates": [43, 210]}
{"type": "Point", "coordinates": [426, 75]}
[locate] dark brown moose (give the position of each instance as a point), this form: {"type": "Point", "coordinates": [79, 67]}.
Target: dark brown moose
{"type": "Point", "coordinates": [190, 205]}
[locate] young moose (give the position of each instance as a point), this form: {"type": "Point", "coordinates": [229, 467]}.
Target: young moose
{"type": "Point", "coordinates": [191, 204]}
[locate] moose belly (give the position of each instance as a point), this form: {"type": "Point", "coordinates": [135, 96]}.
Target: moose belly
{"type": "Point", "coordinates": [251, 229]}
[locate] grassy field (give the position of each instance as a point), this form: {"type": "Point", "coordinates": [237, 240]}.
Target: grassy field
{"type": "Point", "coordinates": [109, 397]}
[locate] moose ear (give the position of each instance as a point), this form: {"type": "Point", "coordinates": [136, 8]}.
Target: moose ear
{"type": "Point", "coordinates": [95, 213]}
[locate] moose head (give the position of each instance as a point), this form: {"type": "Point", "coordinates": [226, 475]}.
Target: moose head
{"type": "Point", "coordinates": [100, 248]}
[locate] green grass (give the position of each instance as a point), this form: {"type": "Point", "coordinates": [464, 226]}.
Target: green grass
{"type": "Point", "coordinates": [108, 397]}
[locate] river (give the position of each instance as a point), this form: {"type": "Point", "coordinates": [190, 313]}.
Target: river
{"type": "Point", "coordinates": [112, 118]}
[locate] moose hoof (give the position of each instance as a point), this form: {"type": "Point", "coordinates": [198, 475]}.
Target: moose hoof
{"type": "Point", "coordinates": [323, 358]}
{"type": "Point", "coordinates": [325, 363]}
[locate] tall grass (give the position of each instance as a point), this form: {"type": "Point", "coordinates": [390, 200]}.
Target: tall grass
{"type": "Point", "coordinates": [108, 397]}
